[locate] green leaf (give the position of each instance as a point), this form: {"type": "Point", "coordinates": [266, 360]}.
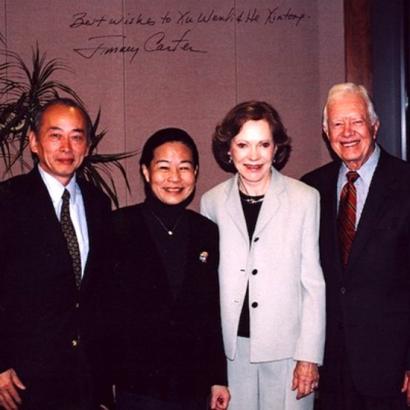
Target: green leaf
{"type": "Point", "coordinates": [24, 89]}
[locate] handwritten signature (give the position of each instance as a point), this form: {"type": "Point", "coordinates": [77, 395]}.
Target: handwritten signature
{"type": "Point", "coordinates": [274, 16]}
{"type": "Point", "coordinates": [157, 42]}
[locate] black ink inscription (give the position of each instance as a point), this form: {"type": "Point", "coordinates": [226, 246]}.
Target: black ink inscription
{"type": "Point", "coordinates": [274, 16]}
{"type": "Point", "coordinates": [139, 20]}
{"type": "Point", "coordinates": [160, 42]}
{"type": "Point", "coordinates": [166, 18]}
{"type": "Point", "coordinates": [83, 20]}
{"type": "Point", "coordinates": [240, 16]}
{"type": "Point", "coordinates": [102, 49]}
{"type": "Point", "coordinates": [188, 17]}
{"type": "Point", "coordinates": [185, 18]}
{"type": "Point", "coordinates": [250, 16]}
{"type": "Point", "coordinates": [213, 16]}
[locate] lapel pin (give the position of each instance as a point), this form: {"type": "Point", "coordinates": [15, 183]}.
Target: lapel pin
{"type": "Point", "coordinates": [203, 256]}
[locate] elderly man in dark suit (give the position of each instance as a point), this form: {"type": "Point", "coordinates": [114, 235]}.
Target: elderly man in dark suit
{"type": "Point", "coordinates": [365, 255]}
{"type": "Point", "coordinates": [52, 250]}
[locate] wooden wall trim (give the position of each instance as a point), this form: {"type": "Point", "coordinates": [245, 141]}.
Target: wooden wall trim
{"type": "Point", "coordinates": [358, 45]}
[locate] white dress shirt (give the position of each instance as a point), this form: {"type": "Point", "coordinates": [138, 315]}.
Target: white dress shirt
{"type": "Point", "coordinates": [77, 211]}
{"type": "Point", "coordinates": [362, 183]}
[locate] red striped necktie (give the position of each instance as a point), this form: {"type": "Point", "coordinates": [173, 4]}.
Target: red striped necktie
{"type": "Point", "coordinates": [347, 216]}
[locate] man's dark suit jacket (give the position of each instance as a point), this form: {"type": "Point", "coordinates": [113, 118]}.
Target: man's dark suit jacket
{"type": "Point", "coordinates": [369, 301]}
{"type": "Point", "coordinates": [41, 311]}
{"type": "Point", "coordinates": [159, 337]}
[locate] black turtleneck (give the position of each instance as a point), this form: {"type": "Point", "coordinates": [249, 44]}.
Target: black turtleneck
{"type": "Point", "coordinates": [160, 219]}
{"type": "Point", "coordinates": [251, 206]}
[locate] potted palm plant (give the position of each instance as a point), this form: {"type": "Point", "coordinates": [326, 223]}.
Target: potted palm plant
{"type": "Point", "coordinates": [23, 90]}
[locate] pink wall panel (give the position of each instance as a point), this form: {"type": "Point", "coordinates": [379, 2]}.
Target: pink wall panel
{"type": "Point", "coordinates": [184, 63]}
{"type": "Point", "coordinates": [278, 62]}
{"type": "Point", "coordinates": [187, 89]}
{"type": "Point", "coordinates": [3, 33]}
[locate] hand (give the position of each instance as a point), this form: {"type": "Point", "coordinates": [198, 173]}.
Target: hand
{"type": "Point", "coordinates": [406, 386]}
{"type": "Point", "coordinates": [305, 378]}
{"type": "Point", "coordinates": [220, 397]}
{"type": "Point", "coordinates": [9, 397]}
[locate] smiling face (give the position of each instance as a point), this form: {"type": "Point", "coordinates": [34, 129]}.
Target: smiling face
{"type": "Point", "coordinates": [350, 133]}
{"type": "Point", "coordinates": [252, 151]}
{"type": "Point", "coordinates": [171, 173]}
{"type": "Point", "coordinates": [61, 143]}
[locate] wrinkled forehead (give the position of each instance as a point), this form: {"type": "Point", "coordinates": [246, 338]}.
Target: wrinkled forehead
{"type": "Point", "coordinates": [347, 104]}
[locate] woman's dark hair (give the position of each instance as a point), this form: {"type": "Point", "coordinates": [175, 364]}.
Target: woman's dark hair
{"type": "Point", "coordinates": [162, 137]}
{"type": "Point", "coordinates": [232, 124]}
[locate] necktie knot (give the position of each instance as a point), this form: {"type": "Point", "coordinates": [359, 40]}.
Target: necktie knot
{"type": "Point", "coordinates": [352, 177]}
{"type": "Point", "coordinates": [66, 196]}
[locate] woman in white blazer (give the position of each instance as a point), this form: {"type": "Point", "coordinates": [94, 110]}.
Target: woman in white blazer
{"type": "Point", "coordinates": [272, 287]}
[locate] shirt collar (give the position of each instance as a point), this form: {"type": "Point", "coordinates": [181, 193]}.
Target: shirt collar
{"type": "Point", "coordinates": [366, 171]}
{"type": "Point", "coordinates": [55, 188]}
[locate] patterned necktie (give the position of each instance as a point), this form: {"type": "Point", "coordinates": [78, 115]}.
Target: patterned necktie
{"type": "Point", "coordinates": [70, 236]}
{"type": "Point", "coordinates": [347, 216]}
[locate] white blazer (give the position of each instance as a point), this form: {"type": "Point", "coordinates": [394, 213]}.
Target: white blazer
{"type": "Point", "coordinates": [281, 265]}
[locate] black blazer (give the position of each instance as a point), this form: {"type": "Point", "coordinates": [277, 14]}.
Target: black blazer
{"type": "Point", "coordinates": [41, 311]}
{"type": "Point", "coordinates": [369, 301]}
{"type": "Point", "coordinates": [166, 347]}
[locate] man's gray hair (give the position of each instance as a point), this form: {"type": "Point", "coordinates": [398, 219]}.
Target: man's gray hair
{"type": "Point", "coordinates": [349, 88]}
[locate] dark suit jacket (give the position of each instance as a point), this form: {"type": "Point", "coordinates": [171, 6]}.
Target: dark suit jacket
{"type": "Point", "coordinates": [41, 311]}
{"type": "Point", "coordinates": [166, 347]}
{"type": "Point", "coordinates": [368, 303]}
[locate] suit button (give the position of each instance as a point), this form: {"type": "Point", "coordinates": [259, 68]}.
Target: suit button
{"type": "Point", "coordinates": [77, 305]}
{"type": "Point", "coordinates": [74, 343]}
{"type": "Point", "coordinates": [255, 271]}
{"type": "Point", "coordinates": [256, 239]}
{"type": "Point", "coordinates": [254, 304]}
{"type": "Point", "coordinates": [342, 290]}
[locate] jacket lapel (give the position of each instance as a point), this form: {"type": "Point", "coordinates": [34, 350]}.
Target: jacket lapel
{"type": "Point", "coordinates": [42, 215]}
{"type": "Point", "coordinates": [234, 207]}
{"type": "Point", "coordinates": [329, 241]}
{"type": "Point", "coordinates": [44, 210]}
{"type": "Point", "coordinates": [381, 187]}
{"type": "Point", "coordinates": [91, 228]}
{"type": "Point", "coordinates": [271, 202]}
